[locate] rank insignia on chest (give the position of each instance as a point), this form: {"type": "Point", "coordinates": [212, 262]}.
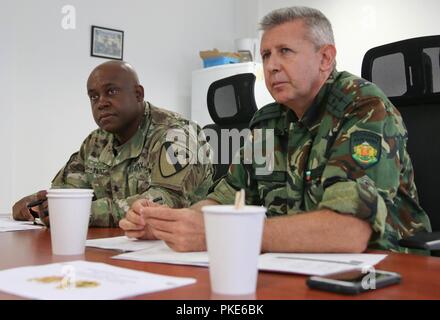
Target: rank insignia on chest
{"type": "Point", "coordinates": [365, 148]}
{"type": "Point", "coordinates": [174, 158]}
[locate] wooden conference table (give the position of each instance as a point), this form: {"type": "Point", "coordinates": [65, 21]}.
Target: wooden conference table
{"type": "Point", "coordinates": [420, 275]}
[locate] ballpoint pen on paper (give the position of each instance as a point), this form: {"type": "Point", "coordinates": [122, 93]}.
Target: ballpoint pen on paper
{"type": "Point", "coordinates": [351, 262]}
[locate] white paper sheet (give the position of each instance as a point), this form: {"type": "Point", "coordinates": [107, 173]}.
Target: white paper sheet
{"type": "Point", "coordinates": [161, 253]}
{"type": "Point", "coordinates": [123, 244]}
{"type": "Point", "coordinates": [316, 264]}
{"type": "Point", "coordinates": [148, 251]}
{"type": "Point", "coordinates": [307, 264]}
{"type": "Point", "coordinates": [8, 224]}
{"type": "Point", "coordinates": [82, 280]}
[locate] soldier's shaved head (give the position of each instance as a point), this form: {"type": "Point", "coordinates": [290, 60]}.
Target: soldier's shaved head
{"type": "Point", "coordinates": [121, 68]}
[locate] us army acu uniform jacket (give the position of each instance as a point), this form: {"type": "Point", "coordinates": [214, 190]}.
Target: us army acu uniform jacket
{"type": "Point", "coordinates": [140, 168]}
{"type": "Point", "coordinates": [347, 153]}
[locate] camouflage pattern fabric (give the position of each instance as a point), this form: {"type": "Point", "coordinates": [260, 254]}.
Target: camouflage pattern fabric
{"type": "Point", "coordinates": [120, 175]}
{"type": "Point", "coordinates": [347, 153]}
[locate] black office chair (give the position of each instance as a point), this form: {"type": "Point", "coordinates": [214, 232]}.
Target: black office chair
{"type": "Point", "coordinates": [231, 104]}
{"type": "Point", "coordinates": [408, 72]}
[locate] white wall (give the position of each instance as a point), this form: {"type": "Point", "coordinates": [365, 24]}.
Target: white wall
{"type": "Point", "coordinates": [6, 112]}
{"type": "Point", "coordinates": [361, 25]}
{"type": "Point", "coordinates": [46, 113]}
{"type": "Point", "coordinates": [246, 15]}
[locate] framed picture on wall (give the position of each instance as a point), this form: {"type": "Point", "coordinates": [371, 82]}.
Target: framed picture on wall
{"type": "Point", "coordinates": [107, 43]}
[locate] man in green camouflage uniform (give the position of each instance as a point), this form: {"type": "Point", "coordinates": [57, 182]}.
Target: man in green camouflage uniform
{"type": "Point", "coordinates": [130, 156]}
{"type": "Point", "coordinates": [339, 178]}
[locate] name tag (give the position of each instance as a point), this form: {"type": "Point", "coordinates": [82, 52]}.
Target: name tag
{"type": "Point", "coordinates": [96, 168]}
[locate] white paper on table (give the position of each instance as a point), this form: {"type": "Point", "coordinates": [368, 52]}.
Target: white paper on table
{"type": "Point", "coordinates": [123, 244]}
{"type": "Point", "coordinates": [7, 223]}
{"type": "Point", "coordinates": [306, 264]}
{"type": "Point", "coordinates": [98, 280]}
{"type": "Point", "coordinates": [161, 253]}
{"type": "Point", "coordinates": [316, 264]}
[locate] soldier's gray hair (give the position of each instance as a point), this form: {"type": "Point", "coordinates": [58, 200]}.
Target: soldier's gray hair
{"type": "Point", "coordinates": [320, 28]}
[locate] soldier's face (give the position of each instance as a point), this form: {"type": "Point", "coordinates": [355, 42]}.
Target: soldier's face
{"type": "Point", "coordinates": [291, 64]}
{"type": "Point", "coordinates": [115, 99]}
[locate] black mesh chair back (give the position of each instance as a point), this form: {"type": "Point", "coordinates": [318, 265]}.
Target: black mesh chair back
{"type": "Point", "coordinates": [408, 72]}
{"type": "Point", "coordinates": [231, 104]}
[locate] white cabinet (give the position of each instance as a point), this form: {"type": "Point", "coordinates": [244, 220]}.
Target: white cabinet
{"type": "Point", "coordinates": [202, 79]}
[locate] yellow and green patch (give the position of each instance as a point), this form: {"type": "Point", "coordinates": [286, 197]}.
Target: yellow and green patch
{"type": "Point", "coordinates": [365, 148]}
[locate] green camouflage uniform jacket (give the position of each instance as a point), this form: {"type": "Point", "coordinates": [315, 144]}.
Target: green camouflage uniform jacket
{"type": "Point", "coordinates": [140, 168]}
{"type": "Point", "coordinates": [347, 154]}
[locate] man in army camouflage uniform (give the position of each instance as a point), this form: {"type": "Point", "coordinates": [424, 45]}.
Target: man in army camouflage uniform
{"type": "Point", "coordinates": [128, 158]}
{"type": "Point", "coordinates": [339, 178]}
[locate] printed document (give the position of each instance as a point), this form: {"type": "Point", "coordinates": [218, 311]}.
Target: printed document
{"type": "Point", "coordinates": [316, 264]}
{"type": "Point", "coordinates": [161, 253]}
{"type": "Point", "coordinates": [123, 244]}
{"type": "Point", "coordinates": [299, 263]}
{"type": "Point", "coordinates": [149, 251]}
{"type": "Point", "coordinates": [82, 280]}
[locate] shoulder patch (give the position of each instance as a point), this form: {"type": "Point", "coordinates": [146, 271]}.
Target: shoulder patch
{"type": "Point", "coordinates": [347, 90]}
{"type": "Point", "coordinates": [337, 102]}
{"type": "Point", "coordinates": [174, 157]}
{"type": "Point", "coordinates": [365, 148]}
{"type": "Point", "coordinates": [165, 117]}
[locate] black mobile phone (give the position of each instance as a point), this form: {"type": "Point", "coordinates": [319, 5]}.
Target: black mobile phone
{"type": "Point", "coordinates": [354, 281]}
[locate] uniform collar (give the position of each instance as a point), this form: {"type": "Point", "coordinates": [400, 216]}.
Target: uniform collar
{"type": "Point", "coordinates": [313, 115]}
{"type": "Point", "coordinates": [132, 148]}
